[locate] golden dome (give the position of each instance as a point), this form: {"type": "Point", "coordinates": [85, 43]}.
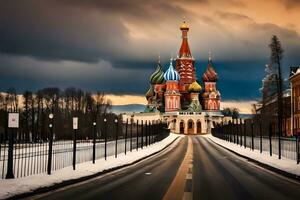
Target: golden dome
{"type": "Point", "coordinates": [184, 26]}
{"type": "Point", "coordinates": [195, 87]}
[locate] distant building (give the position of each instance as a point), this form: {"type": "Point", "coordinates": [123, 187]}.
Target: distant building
{"type": "Point", "coordinates": [295, 99]}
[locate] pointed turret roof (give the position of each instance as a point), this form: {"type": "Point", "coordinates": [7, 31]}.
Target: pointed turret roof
{"type": "Point", "coordinates": [210, 75]}
{"type": "Point", "coordinates": [184, 51]}
{"type": "Point", "coordinates": [157, 76]}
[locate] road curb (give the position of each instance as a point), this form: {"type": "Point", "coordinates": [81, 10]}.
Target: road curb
{"type": "Point", "coordinates": [85, 178]}
{"type": "Point", "coordinates": [264, 165]}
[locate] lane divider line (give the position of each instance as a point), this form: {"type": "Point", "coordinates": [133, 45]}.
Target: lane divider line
{"type": "Point", "coordinates": [181, 187]}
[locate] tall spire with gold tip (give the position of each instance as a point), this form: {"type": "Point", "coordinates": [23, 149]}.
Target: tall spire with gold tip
{"type": "Point", "coordinates": [184, 51]}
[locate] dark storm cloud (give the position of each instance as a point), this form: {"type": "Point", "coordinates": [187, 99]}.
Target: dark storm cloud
{"type": "Point", "coordinates": [112, 45]}
{"type": "Point", "coordinates": [45, 29]}
{"type": "Point", "coordinates": [75, 30]}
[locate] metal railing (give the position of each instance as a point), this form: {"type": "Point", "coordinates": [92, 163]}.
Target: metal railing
{"type": "Point", "coordinates": [20, 156]}
{"type": "Point", "coordinates": [253, 137]}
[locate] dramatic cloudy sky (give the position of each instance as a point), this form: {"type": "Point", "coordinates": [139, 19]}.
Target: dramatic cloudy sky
{"type": "Point", "coordinates": [112, 46]}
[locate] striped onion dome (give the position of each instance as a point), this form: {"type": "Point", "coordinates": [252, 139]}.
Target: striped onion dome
{"type": "Point", "coordinates": [150, 92]}
{"type": "Point", "coordinates": [158, 75]}
{"type": "Point", "coordinates": [171, 74]}
{"type": "Point", "coordinates": [210, 75]}
{"type": "Point", "coordinates": [195, 87]}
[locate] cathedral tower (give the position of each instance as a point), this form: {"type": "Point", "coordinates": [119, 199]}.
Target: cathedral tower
{"type": "Point", "coordinates": [185, 66]}
{"type": "Point", "coordinates": [172, 95]}
{"type": "Point", "coordinates": [185, 61]}
{"type": "Point", "coordinates": [211, 96]}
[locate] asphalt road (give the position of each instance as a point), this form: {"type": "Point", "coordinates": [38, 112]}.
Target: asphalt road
{"type": "Point", "coordinates": [212, 173]}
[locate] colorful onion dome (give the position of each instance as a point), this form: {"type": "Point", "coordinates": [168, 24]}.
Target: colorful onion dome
{"type": "Point", "coordinates": [195, 87]}
{"type": "Point", "coordinates": [210, 75]}
{"type": "Point", "coordinates": [150, 92]}
{"type": "Point", "coordinates": [171, 74]}
{"type": "Point", "coordinates": [158, 75]}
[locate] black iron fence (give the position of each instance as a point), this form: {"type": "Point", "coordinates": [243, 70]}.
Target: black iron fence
{"type": "Point", "coordinates": [259, 136]}
{"type": "Point", "coordinates": [22, 154]}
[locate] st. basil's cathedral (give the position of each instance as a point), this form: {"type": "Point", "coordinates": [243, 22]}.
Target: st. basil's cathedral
{"type": "Point", "coordinates": [176, 97]}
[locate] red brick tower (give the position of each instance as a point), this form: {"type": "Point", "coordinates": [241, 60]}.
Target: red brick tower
{"type": "Point", "coordinates": [185, 66]}
{"type": "Point", "coordinates": [211, 96]}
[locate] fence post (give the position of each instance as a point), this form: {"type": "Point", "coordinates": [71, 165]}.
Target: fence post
{"type": "Point", "coordinates": [260, 130]}
{"type": "Point", "coordinates": [297, 149]}
{"type": "Point", "coordinates": [146, 133]}
{"type": "Point", "coordinates": [229, 131]}
{"type": "Point", "coordinates": [10, 158]}
{"type": "Point", "coordinates": [270, 138]}
{"type": "Point", "coordinates": [241, 132]}
{"type": "Point", "coordinates": [245, 133]}
{"type": "Point", "coordinates": [50, 145]}
{"type": "Point", "coordinates": [116, 144]}
{"type": "Point", "coordinates": [252, 135]}
{"type": "Point", "coordinates": [137, 135]}
{"type": "Point", "coordinates": [150, 131]}
{"type": "Point", "coordinates": [279, 143]}
{"type": "Point", "coordinates": [142, 132]}
{"type": "Point", "coordinates": [233, 131]}
{"type": "Point", "coordinates": [126, 126]}
{"type": "Point", "coordinates": [94, 142]}
{"type": "Point", "coordinates": [237, 132]}
{"type": "Point", "coordinates": [105, 138]}
{"type": "Point", "coordinates": [131, 123]}
{"type": "Point", "coordinates": [74, 149]}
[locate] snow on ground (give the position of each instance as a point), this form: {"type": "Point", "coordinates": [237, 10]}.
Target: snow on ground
{"type": "Point", "coordinates": [11, 187]}
{"type": "Point", "coordinates": [283, 164]}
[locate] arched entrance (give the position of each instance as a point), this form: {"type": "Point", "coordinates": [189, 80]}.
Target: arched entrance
{"type": "Point", "coordinates": [191, 127]}
{"type": "Point", "coordinates": [199, 131]}
{"type": "Point", "coordinates": [181, 127]}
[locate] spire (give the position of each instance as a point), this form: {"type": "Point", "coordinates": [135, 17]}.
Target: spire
{"type": "Point", "coordinates": [184, 49]}
{"type": "Point", "coordinates": [158, 61]}
{"type": "Point", "coordinates": [209, 56]}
